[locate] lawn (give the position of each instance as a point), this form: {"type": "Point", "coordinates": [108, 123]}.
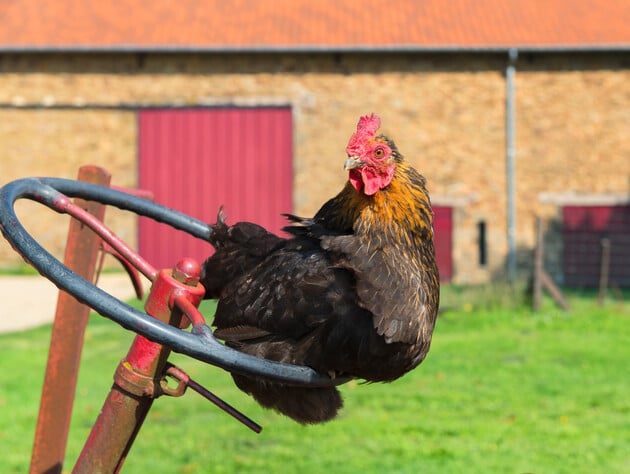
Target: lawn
{"type": "Point", "coordinates": [502, 391]}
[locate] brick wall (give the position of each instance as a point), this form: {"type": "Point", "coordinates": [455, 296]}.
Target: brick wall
{"type": "Point", "coordinates": [446, 113]}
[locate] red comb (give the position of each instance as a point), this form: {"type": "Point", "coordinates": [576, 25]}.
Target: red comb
{"type": "Point", "coordinates": [367, 127]}
{"type": "Point", "coordinates": [369, 124]}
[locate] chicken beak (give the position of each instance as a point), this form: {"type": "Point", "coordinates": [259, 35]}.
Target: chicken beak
{"type": "Point", "coordinates": [353, 162]}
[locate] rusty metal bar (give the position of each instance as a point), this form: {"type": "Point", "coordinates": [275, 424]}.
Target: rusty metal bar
{"type": "Point", "coordinates": [66, 343]}
{"type": "Point", "coordinates": [137, 379]}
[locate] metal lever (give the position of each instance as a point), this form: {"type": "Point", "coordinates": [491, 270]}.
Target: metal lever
{"type": "Point", "coordinates": [183, 378]}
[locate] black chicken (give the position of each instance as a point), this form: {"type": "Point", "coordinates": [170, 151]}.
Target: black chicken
{"type": "Point", "coordinates": [353, 292]}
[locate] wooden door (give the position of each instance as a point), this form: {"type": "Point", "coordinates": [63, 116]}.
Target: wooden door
{"type": "Point", "coordinates": [196, 160]}
{"type": "Point", "coordinates": [443, 227]}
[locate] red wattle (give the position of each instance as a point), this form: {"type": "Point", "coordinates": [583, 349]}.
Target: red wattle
{"type": "Point", "coordinates": [355, 179]}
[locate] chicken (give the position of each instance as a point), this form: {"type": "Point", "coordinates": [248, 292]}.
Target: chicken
{"type": "Point", "coordinates": [354, 291]}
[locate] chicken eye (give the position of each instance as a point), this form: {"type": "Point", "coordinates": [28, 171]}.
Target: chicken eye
{"type": "Point", "coordinates": [379, 152]}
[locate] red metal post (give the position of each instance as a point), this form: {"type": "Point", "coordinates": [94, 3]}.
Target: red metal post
{"type": "Point", "coordinates": [137, 379]}
{"type": "Point", "coordinates": [66, 343]}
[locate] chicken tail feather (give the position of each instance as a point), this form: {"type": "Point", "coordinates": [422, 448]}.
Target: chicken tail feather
{"type": "Point", "coordinates": [304, 405]}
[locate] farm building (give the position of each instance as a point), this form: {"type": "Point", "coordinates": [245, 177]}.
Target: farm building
{"type": "Point", "coordinates": [511, 110]}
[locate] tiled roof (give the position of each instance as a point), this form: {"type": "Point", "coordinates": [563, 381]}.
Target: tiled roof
{"type": "Point", "coordinates": [313, 24]}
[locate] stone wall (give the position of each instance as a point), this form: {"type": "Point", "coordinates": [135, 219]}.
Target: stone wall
{"type": "Point", "coordinates": [446, 113]}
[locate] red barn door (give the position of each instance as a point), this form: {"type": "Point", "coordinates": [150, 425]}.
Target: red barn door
{"type": "Point", "coordinates": [584, 229]}
{"type": "Point", "coordinates": [196, 160]}
{"type": "Point", "coordinates": [443, 227]}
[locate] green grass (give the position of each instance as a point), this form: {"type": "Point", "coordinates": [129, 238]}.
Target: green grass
{"type": "Point", "coordinates": [502, 391]}
{"type": "Point", "coordinates": [24, 269]}
{"type": "Point", "coordinates": [19, 270]}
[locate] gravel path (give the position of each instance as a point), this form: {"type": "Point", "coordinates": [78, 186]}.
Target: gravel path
{"type": "Point", "coordinates": [30, 301]}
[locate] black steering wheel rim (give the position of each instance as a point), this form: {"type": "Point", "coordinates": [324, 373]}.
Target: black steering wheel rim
{"type": "Point", "coordinates": [199, 344]}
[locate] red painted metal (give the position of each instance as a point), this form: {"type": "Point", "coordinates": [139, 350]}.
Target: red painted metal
{"type": "Point", "coordinates": [107, 249]}
{"type": "Point", "coordinates": [195, 160]}
{"type": "Point", "coordinates": [133, 273]}
{"type": "Point", "coordinates": [65, 205]}
{"type": "Point", "coordinates": [191, 311]}
{"type": "Point", "coordinates": [443, 226]}
{"type": "Point", "coordinates": [66, 343]}
{"type": "Point", "coordinates": [584, 228]}
{"type": "Point", "coordinates": [137, 379]}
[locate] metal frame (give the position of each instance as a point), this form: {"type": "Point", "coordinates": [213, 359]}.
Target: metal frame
{"type": "Point", "coordinates": [171, 307]}
{"type": "Point", "coordinates": [199, 343]}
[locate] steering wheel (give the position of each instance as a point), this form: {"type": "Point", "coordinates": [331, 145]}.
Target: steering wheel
{"type": "Point", "coordinates": [199, 343]}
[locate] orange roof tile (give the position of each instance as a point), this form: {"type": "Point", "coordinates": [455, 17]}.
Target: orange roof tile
{"type": "Point", "coordinates": [313, 24]}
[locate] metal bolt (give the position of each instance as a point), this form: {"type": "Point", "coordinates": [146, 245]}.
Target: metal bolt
{"type": "Point", "coordinates": [187, 271]}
